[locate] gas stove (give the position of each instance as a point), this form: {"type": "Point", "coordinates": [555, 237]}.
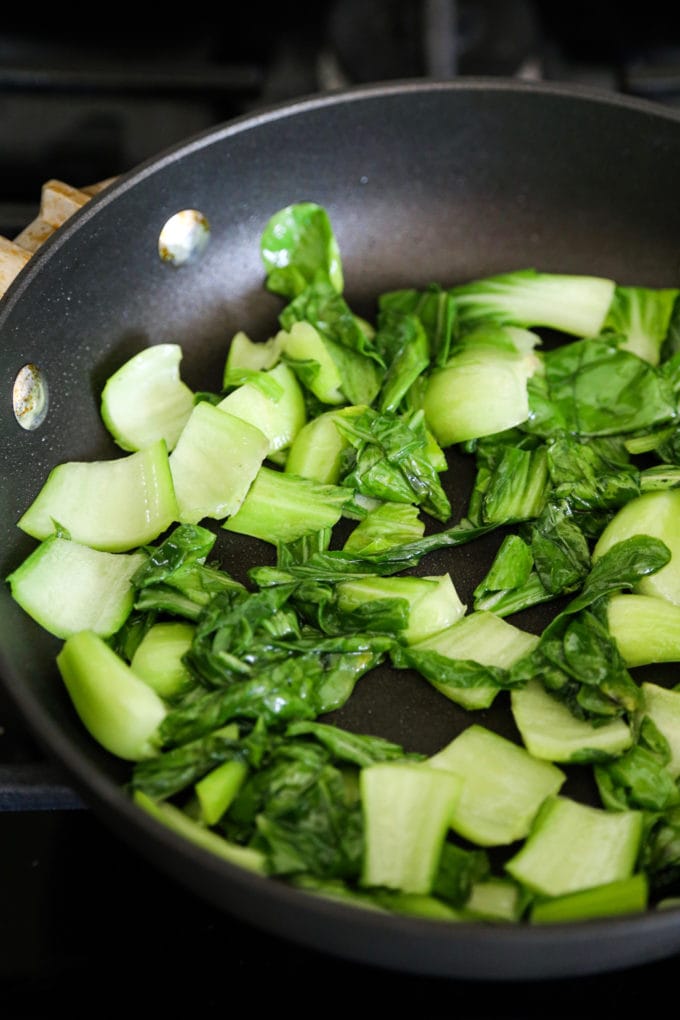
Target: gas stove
{"type": "Point", "coordinates": [82, 917]}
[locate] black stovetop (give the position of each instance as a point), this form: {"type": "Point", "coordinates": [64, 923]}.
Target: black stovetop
{"type": "Point", "coordinates": [85, 923]}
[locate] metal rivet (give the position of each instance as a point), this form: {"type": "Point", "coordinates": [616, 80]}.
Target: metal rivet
{"type": "Point", "coordinates": [30, 397]}
{"type": "Point", "coordinates": [184, 237]}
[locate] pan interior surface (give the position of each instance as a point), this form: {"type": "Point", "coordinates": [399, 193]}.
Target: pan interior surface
{"type": "Point", "coordinates": [424, 182]}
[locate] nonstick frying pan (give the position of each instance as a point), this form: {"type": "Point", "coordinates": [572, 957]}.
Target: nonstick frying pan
{"type": "Point", "coordinates": [424, 182]}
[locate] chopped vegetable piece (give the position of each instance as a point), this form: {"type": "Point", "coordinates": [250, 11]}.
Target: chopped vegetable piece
{"type": "Point", "coordinates": [575, 846]}
{"type": "Point", "coordinates": [662, 706]}
{"type": "Point", "coordinates": [385, 526]}
{"type": "Point", "coordinates": [118, 708]}
{"type": "Point", "coordinates": [495, 899]}
{"type": "Point", "coordinates": [177, 820]}
{"type": "Point", "coordinates": [216, 790]}
{"type": "Point", "coordinates": [655, 513]}
{"type": "Point", "coordinates": [146, 400]}
{"type": "Point", "coordinates": [298, 247]}
{"type": "Point", "coordinates": [317, 449]}
{"type": "Point", "coordinates": [67, 587]}
{"type": "Point", "coordinates": [646, 628]}
{"type": "Point", "coordinates": [566, 397]}
{"type": "Point", "coordinates": [433, 602]}
{"type": "Point", "coordinates": [550, 730]}
{"type": "Point", "coordinates": [332, 334]}
{"type": "Point", "coordinates": [480, 637]}
{"type": "Point", "coordinates": [503, 786]}
{"type": "Point", "coordinates": [311, 358]}
{"type": "Point", "coordinates": [282, 507]}
{"type": "Point", "coordinates": [574, 304]}
{"type": "Point", "coordinates": [623, 896]}
{"type": "Point", "coordinates": [214, 463]}
{"type": "Point", "coordinates": [158, 658]}
{"type": "Point", "coordinates": [642, 316]}
{"type": "Point", "coordinates": [246, 355]}
{"type": "Point", "coordinates": [406, 809]}
{"type": "Point", "coordinates": [419, 905]}
{"type": "Point", "coordinates": [273, 402]}
{"type": "Point", "coordinates": [481, 390]}
{"type": "Point", "coordinates": [115, 505]}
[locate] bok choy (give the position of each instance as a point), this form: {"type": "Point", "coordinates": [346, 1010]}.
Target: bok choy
{"type": "Point", "coordinates": [531, 415]}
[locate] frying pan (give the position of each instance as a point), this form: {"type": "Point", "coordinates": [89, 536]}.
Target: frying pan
{"type": "Point", "coordinates": [424, 181]}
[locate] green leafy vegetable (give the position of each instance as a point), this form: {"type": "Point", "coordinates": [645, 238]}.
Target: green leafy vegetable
{"type": "Point", "coordinates": [298, 247]}
{"type": "Point", "coordinates": [530, 414]}
{"type": "Point", "coordinates": [642, 316]}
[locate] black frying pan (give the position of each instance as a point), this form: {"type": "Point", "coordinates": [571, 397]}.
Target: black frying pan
{"type": "Point", "coordinates": [424, 182]}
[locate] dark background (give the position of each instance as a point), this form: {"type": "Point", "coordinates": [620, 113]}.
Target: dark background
{"type": "Point", "coordinates": [85, 95]}
{"type": "Point", "coordinates": [83, 98]}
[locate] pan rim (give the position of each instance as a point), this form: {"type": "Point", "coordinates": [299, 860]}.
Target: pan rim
{"type": "Point", "coordinates": [588, 94]}
{"type": "Point", "coordinates": [102, 792]}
